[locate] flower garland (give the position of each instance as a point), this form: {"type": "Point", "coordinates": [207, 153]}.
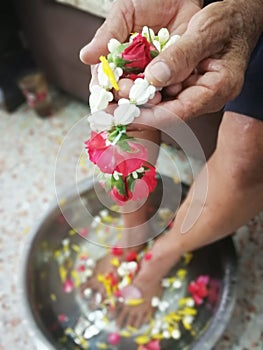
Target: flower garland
{"type": "Point", "coordinates": [125, 171]}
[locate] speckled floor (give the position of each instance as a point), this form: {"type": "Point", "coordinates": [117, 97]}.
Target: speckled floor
{"type": "Point", "coordinates": [28, 152]}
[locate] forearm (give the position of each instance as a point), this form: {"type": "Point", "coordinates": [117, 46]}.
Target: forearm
{"type": "Point", "coordinates": [225, 209]}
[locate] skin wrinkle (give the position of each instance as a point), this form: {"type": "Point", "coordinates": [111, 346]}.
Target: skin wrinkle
{"type": "Point", "coordinates": [251, 24]}
{"type": "Point", "coordinates": [138, 4]}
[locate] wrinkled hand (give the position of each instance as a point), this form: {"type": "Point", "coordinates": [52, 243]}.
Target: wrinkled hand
{"type": "Point", "coordinates": [216, 45]}
{"type": "Point", "coordinates": [129, 16]}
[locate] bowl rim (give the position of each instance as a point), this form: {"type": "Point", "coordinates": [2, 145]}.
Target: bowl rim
{"type": "Point", "coordinates": [209, 336]}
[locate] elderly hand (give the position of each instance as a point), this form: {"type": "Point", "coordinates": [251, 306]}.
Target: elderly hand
{"type": "Point", "coordinates": [216, 47]}
{"type": "Point", "coordinates": [129, 16]}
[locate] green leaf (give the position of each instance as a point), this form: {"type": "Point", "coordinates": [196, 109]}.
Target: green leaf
{"type": "Point", "coordinates": [123, 144]}
{"type": "Point", "coordinates": [119, 61]}
{"type": "Point", "coordinates": [154, 54]}
{"type": "Point", "coordinates": [115, 55]}
{"type": "Point", "coordinates": [119, 184]}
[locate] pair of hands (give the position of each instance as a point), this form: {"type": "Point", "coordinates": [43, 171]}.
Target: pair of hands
{"type": "Point", "coordinates": [211, 46]}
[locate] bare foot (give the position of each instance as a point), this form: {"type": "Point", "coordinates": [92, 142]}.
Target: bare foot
{"type": "Point", "coordinates": [148, 283]}
{"type": "Point", "coordinates": [137, 315]}
{"type": "Point", "coordinates": [105, 274]}
{"type": "Point", "coordinates": [103, 266]}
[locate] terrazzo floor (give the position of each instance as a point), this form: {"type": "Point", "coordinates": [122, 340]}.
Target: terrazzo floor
{"type": "Point", "coordinates": [28, 154]}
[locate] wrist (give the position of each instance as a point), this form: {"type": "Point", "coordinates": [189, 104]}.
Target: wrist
{"type": "Point", "coordinates": [165, 253]}
{"type": "Point", "coordinates": [247, 19]}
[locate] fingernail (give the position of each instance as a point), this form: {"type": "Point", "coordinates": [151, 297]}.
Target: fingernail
{"type": "Point", "coordinates": [160, 72]}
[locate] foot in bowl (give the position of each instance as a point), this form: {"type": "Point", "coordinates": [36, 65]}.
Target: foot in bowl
{"type": "Point", "coordinates": [147, 285]}
{"type": "Point", "coordinates": [136, 315]}
{"type": "Point", "coordinates": [108, 272]}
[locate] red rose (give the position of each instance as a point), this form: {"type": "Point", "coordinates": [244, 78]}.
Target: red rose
{"type": "Point", "coordinates": [138, 54]}
{"type": "Point", "coordinates": [133, 76]}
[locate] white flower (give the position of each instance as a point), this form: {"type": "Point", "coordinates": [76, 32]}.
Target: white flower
{"type": "Point", "coordinates": [100, 121]}
{"type": "Point", "coordinates": [171, 41]}
{"type": "Point", "coordinates": [157, 45]}
{"type": "Point", "coordinates": [148, 33]}
{"type": "Point", "coordinates": [162, 305]}
{"type": "Point", "coordinates": [177, 284]}
{"type": "Point", "coordinates": [176, 334]}
{"type": "Point", "coordinates": [125, 113]}
{"type": "Point", "coordinates": [104, 80]}
{"type": "Point", "coordinates": [188, 319]}
{"type": "Point", "coordinates": [166, 283]}
{"type": "Point", "coordinates": [163, 35]}
{"type": "Point", "coordinates": [126, 268]}
{"type": "Point", "coordinates": [141, 92]}
{"type": "Point", "coordinates": [113, 44]}
{"type": "Point", "coordinates": [99, 98]}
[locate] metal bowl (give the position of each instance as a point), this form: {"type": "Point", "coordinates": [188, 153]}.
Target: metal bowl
{"type": "Point", "coordinates": [45, 301]}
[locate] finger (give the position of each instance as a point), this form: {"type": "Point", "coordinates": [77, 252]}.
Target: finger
{"type": "Point", "coordinates": [140, 320]}
{"type": "Point", "coordinates": [172, 90]}
{"type": "Point", "coordinates": [205, 35]}
{"type": "Point", "coordinates": [205, 93]}
{"type": "Point", "coordinates": [122, 317]}
{"type": "Point", "coordinates": [156, 99]}
{"type": "Point", "coordinates": [125, 86]}
{"type": "Point", "coordinates": [131, 319]}
{"type": "Point", "coordinates": [118, 25]}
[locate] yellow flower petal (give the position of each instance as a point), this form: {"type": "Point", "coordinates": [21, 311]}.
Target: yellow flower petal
{"type": "Point", "coordinates": [143, 339]}
{"type": "Point", "coordinates": [115, 262]}
{"type": "Point", "coordinates": [63, 273]}
{"type": "Point", "coordinates": [133, 302]}
{"type": "Point", "coordinates": [108, 71]}
{"type": "Point", "coordinates": [181, 273]}
{"type": "Point", "coordinates": [187, 258]}
{"type": "Point", "coordinates": [125, 334]}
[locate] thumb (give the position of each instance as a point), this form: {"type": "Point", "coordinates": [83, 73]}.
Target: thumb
{"type": "Point", "coordinates": [116, 25]}
{"type": "Point", "coordinates": [175, 64]}
{"type": "Point", "coordinates": [204, 37]}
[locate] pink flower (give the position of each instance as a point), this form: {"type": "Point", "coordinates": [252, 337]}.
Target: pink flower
{"type": "Point", "coordinates": [120, 199]}
{"type": "Point", "coordinates": [152, 345]}
{"type": "Point", "coordinates": [96, 145]}
{"type": "Point", "coordinates": [144, 186]}
{"type": "Point", "coordinates": [68, 286]}
{"type": "Point", "coordinates": [133, 159]}
{"type": "Point", "coordinates": [198, 289]}
{"type": "Point", "coordinates": [141, 190]}
{"type": "Point", "coordinates": [138, 54]}
{"type": "Point", "coordinates": [150, 177]}
{"type": "Point", "coordinates": [114, 338]}
{"type": "Point", "coordinates": [115, 157]}
{"type": "Point", "coordinates": [137, 189]}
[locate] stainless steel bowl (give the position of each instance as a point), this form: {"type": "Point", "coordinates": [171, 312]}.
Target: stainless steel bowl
{"type": "Point", "coordinates": [44, 298]}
